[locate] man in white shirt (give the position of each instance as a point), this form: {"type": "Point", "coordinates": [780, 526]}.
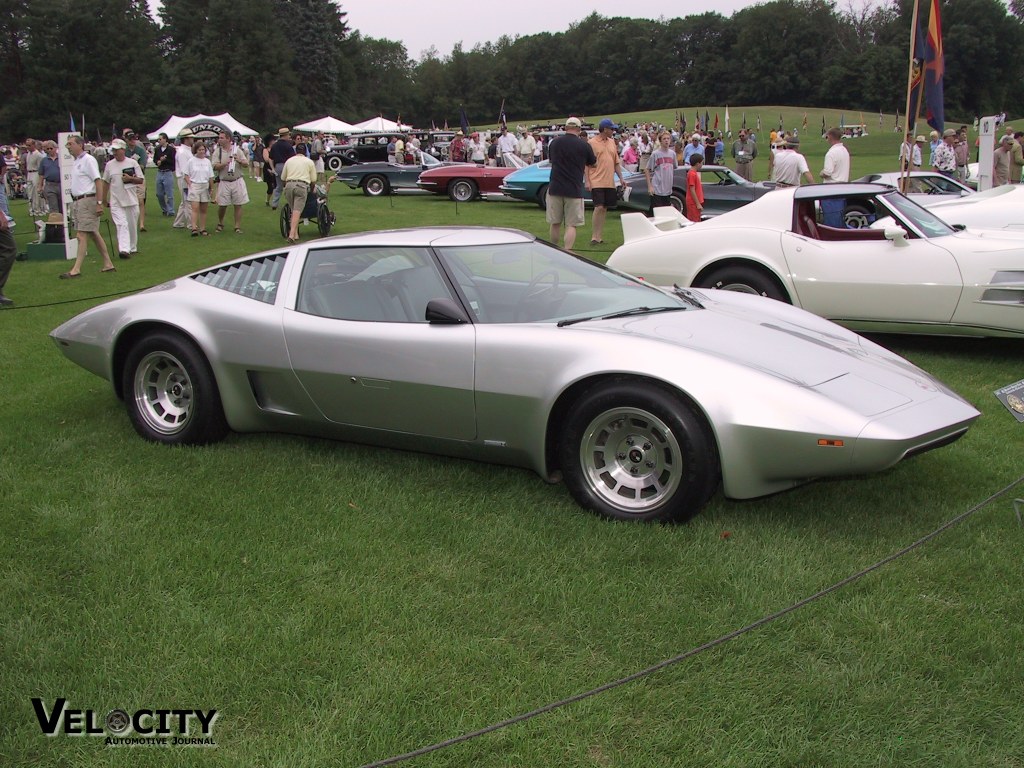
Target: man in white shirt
{"type": "Point", "coordinates": [836, 170]}
{"type": "Point", "coordinates": [121, 175]}
{"type": "Point", "coordinates": [183, 220]}
{"type": "Point", "coordinates": [837, 160]}
{"type": "Point", "coordinates": [86, 206]}
{"type": "Point", "coordinates": [789, 165]}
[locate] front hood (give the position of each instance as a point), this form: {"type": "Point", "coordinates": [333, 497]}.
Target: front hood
{"type": "Point", "coordinates": [778, 340]}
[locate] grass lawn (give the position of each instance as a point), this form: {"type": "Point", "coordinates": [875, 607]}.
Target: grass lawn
{"type": "Point", "coordinates": [339, 604]}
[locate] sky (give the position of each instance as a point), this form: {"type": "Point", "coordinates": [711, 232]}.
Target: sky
{"type": "Point", "coordinates": [443, 23]}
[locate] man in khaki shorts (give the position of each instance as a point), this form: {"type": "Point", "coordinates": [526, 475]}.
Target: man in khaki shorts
{"type": "Point", "coordinates": [86, 206]}
{"type": "Point", "coordinates": [569, 154]}
{"type": "Point", "coordinates": [299, 176]}
{"type": "Point", "coordinates": [228, 162]}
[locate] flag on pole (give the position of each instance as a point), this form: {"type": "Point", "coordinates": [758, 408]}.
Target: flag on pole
{"type": "Point", "coordinates": [71, 120]}
{"type": "Point", "coordinates": [743, 125]}
{"type": "Point", "coordinates": [781, 122]}
{"type": "Point", "coordinates": [842, 120]}
{"type": "Point", "coordinates": [679, 122]}
{"type": "Point", "coordinates": [707, 121]}
{"type": "Point", "coordinates": [916, 78]}
{"type": "Point", "coordinates": [879, 118]}
{"type": "Point", "coordinates": [716, 121]}
{"type": "Point", "coordinates": [683, 117]}
{"type": "Point", "coordinates": [934, 70]}
{"type": "Point", "coordinates": [463, 120]}
{"type": "Point", "coordinates": [728, 130]}
{"type": "Point", "coordinates": [696, 121]}
{"type": "Point", "coordinates": [446, 124]}
{"type": "Point", "coordinates": [758, 122]}
{"type": "Point", "coordinates": [803, 125]}
{"type": "Point", "coordinates": [823, 128]}
{"type": "Point", "coordinates": [502, 120]}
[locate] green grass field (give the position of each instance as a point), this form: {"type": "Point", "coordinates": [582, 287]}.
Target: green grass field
{"type": "Point", "coordinates": [339, 604]}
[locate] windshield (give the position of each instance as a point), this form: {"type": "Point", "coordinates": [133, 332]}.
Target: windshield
{"type": "Point", "coordinates": [536, 282]}
{"type": "Point", "coordinates": [924, 221]}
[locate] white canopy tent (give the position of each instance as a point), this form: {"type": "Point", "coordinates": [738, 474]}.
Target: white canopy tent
{"type": "Point", "coordinates": [201, 125]}
{"type": "Point", "coordinates": [378, 125]}
{"type": "Point", "coordinates": [327, 125]}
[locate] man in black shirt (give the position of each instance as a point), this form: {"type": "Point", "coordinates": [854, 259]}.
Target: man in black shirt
{"type": "Point", "coordinates": [569, 155]}
{"type": "Point", "coordinates": [164, 158]}
{"type": "Point", "coordinates": [279, 154]}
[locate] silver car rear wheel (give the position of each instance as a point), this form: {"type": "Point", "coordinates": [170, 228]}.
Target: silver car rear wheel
{"type": "Point", "coordinates": [462, 190]}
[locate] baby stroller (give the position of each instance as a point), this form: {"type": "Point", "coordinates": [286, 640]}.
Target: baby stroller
{"type": "Point", "coordinates": [316, 210]}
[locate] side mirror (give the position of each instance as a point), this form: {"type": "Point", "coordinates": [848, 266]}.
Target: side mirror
{"type": "Point", "coordinates": [898, 235]}
{"type": "Point", "coordinates": [445, 312]}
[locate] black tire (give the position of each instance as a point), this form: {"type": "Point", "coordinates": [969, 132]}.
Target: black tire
{"type": "Point", "coordinates": [542, 197]}
{"type": "Point", "coordinates": [324, 220]}
{"type": "Point", "coordinates": [170, 392]}
{"type": "Point", "coordinates": [335, 163]}
{"type": "Point", "coordinates": [745, 280]}
{"type": "Point", "coordinates": [375, 186]}
{"type": "Point", "coordinates": [677, 199]}
{"type": "Point", "coordinates": [635, 451]}
{"type": "Point", "coordinates": [462, 190]}
{"type": "Point", "coordinates": [285, 220]}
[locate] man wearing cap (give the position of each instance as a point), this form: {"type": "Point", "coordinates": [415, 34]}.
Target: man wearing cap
{"type": "Point", "coordinates": [909, 150]}
{"type": "Point", "coordinates": [279, 154]}
{"type": "Point", "coordinates": [944, 158]}
{"type": "Point", "coordinates": [229, 162]}
{"type": "Point", "coordinates": [601, 177]}
{"type": "Point", "coordinates": [1001, 162]}
{"type": "Point", "coordinates": [789, 165]}
{"type": "Point", "coordinates": [86, 204]}
{"type": "Point", "coordinates": [164, 157]}
{"type": "Point", "coordinates": [570, 155]}
{"type": "Point", "coordinates": [744, 151]}
{"type": "Point", "coordinates": [122, 175]}
{"type": "Point", "coordinates": [457, 148]}
{"type": "Point", "coordinates": [962, 150]}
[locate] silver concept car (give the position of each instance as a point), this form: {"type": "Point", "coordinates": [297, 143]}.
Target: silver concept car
{"type": "Point", "coordinates": [493, 345]}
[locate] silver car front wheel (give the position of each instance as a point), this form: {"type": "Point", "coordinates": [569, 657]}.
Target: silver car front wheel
{"type": "Point", "coordinates": [170, 392]}
{"type": "Point", "coordinates": [634, 451]}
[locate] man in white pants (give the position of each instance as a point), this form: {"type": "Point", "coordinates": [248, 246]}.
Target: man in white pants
{"type": "Point", "coordinates": [122, 175]}
{"type": "Point", "coordinates": [183, 220]}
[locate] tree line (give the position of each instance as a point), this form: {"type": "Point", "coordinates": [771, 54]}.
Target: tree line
{"type": "Point", "coordinates": [278, 62]}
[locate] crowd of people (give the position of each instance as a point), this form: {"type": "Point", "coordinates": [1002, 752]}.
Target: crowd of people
{"type": "Point", "coordinates": [199, 171]}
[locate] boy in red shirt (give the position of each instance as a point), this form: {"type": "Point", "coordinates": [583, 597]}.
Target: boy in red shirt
{"type": "Point", "coordinates": [694, 189]}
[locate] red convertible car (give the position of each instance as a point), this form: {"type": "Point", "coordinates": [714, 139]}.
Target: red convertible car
{"type": "Point", "coordinates": [463, 183]}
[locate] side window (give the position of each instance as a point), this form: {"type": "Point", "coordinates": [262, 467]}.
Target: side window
{"type": "Point", "coordinates": [390, 285]}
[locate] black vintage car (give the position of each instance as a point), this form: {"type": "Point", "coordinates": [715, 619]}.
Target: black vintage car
{"type": "Point", "coordinates": [362, 148]}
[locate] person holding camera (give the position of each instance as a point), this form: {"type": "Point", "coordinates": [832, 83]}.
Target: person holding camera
{"type": "Point", "coordinates": [122, 174]}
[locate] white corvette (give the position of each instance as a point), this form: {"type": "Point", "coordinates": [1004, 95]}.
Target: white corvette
{"type": "Point", "coordinates": [907, 271]}
{"type": "Point", "coordinates": [997, 208]}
